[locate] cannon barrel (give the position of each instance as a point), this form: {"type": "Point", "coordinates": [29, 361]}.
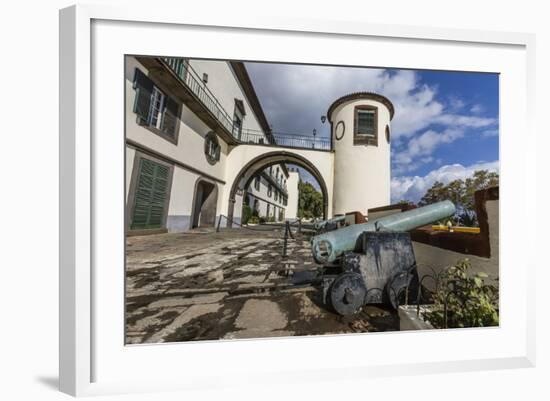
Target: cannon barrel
{"type": "Point", "coordinates": [322, 223]}
{"type": "Point", "coordinates": [329, 246]}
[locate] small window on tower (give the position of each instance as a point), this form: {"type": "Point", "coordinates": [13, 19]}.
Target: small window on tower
{"type": "Point", "coordinates": [366, 126]}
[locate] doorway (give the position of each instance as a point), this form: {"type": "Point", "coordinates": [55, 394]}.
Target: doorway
{"type": "Point", "coordinates": [204, 205]}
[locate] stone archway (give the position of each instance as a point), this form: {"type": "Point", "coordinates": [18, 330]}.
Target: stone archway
{"type": "Point", "coordinates": [246, 174]}
{"type": "Point", "coordinates": [205, 200]}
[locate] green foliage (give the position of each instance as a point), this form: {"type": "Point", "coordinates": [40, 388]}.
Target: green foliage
{"type": "Point", "coordinates": [470, 301]}
{"type": "Point", "coordinates": [310, 204]}
{"type": "Point", "coordinates": [247, 214]}
{"type": "Point", "coordinates": [253, 219]}
{"type": "Point", "coordinates": [271, 219]}
{"type": "Point", "coordinates": [461, 193]}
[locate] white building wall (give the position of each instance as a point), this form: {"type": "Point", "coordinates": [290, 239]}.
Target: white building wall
{"type": "Point", "coordinates": [361, 173]}
{"type": "Point", "coordinates": [223, 83]}
{"type": "Point", "coordinates": [262, 195]}
{"type": "Point", "coordinates": [130, 155]}
{"type": "Point", "coordinates": [189, 149]}
{"type": "Point", "coordinates": [293, 195]}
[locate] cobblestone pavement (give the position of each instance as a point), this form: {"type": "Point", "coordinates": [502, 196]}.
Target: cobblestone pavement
{"type": "Point", "coordinates": [203, 285]}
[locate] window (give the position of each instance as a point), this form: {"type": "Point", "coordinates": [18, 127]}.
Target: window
{"type": "Point", "coordinates": [365, 127]}
{"type": "Point", "coordinates": [212, 148]}
{"type": "Point", "coordinates": [269, 190]}
{"type": "Point", "coordinates": [267, 210]}
{"type": "Point", "coordinates": [151, 195]}
{"type": "Point", "coordinates": [257, 183]}
{"type": "Point", "coordinates": [154, 109]}
{"type": "Point", "coordinates": [238, 117]}
{"type": "Point", "coordinates": [256, 205]}
{"type": "Point", "coordinates": [276, 195]}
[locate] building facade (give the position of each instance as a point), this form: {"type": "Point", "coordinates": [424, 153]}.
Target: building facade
{"type": "Point", "coordinates": [199, 147]}
{"type": "Point", "coordinates": [182, 119]}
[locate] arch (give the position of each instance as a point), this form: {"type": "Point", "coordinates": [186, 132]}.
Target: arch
{"type": "Point", "coordinates": [246, 174]}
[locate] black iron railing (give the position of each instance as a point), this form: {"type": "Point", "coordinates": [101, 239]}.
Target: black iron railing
{"type": "Point", "coordinates": [195, 84]}
{"type": "Point", "coordinates": [285, 140]}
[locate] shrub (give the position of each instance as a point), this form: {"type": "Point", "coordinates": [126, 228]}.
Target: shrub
{"type": "Point", "coordinates": [247, 214]}
{"type": "Point", "coordinates": [470, 302]}
{"type": "Point", "coordinates": [253, 220]}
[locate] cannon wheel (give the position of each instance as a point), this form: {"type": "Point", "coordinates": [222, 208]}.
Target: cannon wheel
{"type": "Point", "coordinates": [347, 294]}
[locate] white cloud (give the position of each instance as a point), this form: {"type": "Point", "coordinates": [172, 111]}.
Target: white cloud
{"type": "Point", "coordinates": [294, 98]}
{"type": "Point", "coordinates": [456, 103]}
{"type": "Point", "coordinates": [412, 188]}
{"type": "Point", "coordinates": [288, 91]}
{"type": "Point", "coordinates": [464, 121]}
{"type": "Point", "coordinates": [420, 149]}
{"type": "Point", "coordinates": [489, 133]}
{"type": "Point", "coordinates": [477, 109]}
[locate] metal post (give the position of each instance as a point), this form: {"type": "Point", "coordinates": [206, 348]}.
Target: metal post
{"type": "Point", "coordinates": [285, 241]}
{"type": "Point", "coordinates": [289, 230]}
{"type": "Point", "coordinates": [219, 222]}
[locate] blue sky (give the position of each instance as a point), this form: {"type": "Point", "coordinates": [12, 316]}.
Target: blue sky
{"type": "Point", "coordinates": [445, 124]}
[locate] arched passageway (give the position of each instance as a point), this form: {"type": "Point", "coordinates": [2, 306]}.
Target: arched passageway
{"type": "Point", "coordinates": [205, 200]}
{"type": "Point", "coordinates": [244, 176]}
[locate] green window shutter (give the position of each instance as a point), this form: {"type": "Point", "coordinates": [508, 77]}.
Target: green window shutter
{"type": "Point", "coordinates": [144, 88]}
{"type": "Point", "coordinates": [170, 117]}
{"type": "Point", "coordinates": [151, 194]}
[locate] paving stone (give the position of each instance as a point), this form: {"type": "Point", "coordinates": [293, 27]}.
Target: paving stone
{"type": "Point", "coordinates": [261, 314]}
{"type": "Point", "coordinates": [186, 301]}
{"type": "Point", "coordinates": [189, 314]}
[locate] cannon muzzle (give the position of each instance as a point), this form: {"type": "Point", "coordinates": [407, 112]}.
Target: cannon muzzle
{"type": "Point", "coordinates": [329, 246]}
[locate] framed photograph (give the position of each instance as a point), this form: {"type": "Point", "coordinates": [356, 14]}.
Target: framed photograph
{"type": "Point", "coordinates": [236, 195]}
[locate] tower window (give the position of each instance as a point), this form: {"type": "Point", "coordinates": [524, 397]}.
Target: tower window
{"type": "Point", "coordinates": [365, 130]}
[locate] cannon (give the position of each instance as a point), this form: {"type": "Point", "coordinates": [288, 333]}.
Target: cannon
{"type": "Point", "coordinates": [372, 262]}
{"type": "Point", "coordinates": [330, 224]}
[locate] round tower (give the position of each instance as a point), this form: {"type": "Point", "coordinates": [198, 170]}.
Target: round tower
{"type": "Point", "coordinates": [361, 136]}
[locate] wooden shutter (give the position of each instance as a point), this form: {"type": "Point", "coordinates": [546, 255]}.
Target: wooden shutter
{"type": "Point", "coordinates": [170, 117]}
{"type": "Point", "coordinates": [144, 88]}
{"type": "Point", "coordinates": [151, 194]}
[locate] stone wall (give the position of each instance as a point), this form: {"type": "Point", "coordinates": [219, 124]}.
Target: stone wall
{"type": "Point", "coordinates": [435, 250]}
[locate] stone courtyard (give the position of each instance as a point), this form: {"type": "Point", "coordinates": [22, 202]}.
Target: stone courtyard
{"type": "Point", "coordinates": [207, 285]}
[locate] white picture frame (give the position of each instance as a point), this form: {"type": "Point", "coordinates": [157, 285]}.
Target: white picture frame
{"type": "Point", "coordinates": [89, 362]}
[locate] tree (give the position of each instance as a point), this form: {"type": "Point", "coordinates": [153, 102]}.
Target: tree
{"type": "Point", "coordinates": [461, 193]}
{"type": "Point", "coordinates": [310, 203]}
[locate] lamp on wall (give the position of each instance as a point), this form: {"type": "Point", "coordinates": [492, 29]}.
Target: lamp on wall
{"type": "Point", "coordinates": [323, 119]}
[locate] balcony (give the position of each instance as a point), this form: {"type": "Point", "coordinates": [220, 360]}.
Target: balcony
{"type": "Point", "coordinates": [285, 140]}
{"type": "Point", "coordinates": [185, 82]}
